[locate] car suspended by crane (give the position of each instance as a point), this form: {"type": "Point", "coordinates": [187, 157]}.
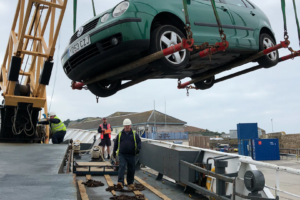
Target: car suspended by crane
{"type": "Point", "coordinates": [103, 52]}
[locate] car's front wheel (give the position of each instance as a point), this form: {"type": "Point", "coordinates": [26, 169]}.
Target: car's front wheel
{"type": "Point", "coordinates": [270, 60]}
{"type": "Point", "coordinates": [164, 37]}
{"type": "Point", "coordinates": [104, 88]}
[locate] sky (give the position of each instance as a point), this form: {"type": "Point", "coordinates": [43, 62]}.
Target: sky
{"type": "Point", "coordinates": [257, 97]}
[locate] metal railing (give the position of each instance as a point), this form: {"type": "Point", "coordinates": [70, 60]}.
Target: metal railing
{"type": "Point", "coordinates": [166, 135]}
{"type": "Point", "coordinates": [242, 159]}
{"type": "Point", "coordinates": [294, 152]}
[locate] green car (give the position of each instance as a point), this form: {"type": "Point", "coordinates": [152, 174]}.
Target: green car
{"type": "Point", "coordinates": [134, 29]}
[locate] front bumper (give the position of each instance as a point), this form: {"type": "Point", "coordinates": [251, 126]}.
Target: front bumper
{"type": "Point", "coordinates": [133, 34]}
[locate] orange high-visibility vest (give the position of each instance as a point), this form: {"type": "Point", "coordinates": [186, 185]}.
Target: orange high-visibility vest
{"type": "Point", "coordinates": [102, 134]}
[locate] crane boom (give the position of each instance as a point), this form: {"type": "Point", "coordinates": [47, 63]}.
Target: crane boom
{"type": "Point", "coordinates": [32, 37]}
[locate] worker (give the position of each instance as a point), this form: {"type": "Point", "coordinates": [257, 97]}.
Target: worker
{"type": "Point", "coordinates": [127, 145]}
{"type": "Point", "coordinates": [58, 128]}
{"type": "Point", "coordinates": [105, 138]}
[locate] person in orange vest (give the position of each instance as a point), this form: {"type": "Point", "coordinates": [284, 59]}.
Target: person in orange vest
{"type": "Point", "coordinates": [105, 132]}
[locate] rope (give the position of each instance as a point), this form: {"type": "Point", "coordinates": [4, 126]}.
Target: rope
{"type": "Point", "coordinates": [55, 73]}
{"type": "Point", "coordinates": [14, 129]}
{"type": "Point", "coordinates": [125, 197]}
{"type": "Point", "coordinates": [92, 183]}
{"type": "Point", "coordinates": [297, 21]}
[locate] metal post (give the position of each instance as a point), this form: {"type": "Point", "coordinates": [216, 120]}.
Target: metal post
{"type": "Point", "coordinates": [220, 166]}
{"type": "Point", "coordinates": [277, 184]}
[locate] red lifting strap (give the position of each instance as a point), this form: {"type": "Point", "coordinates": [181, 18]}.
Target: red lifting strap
{"type": "Point", "coordinates": [178, 47]}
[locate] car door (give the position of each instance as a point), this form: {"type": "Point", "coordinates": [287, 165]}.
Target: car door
{"type": "Point", "coordinates": [245, 21]}
{"type": "Point", "coordinates": [204, 24]}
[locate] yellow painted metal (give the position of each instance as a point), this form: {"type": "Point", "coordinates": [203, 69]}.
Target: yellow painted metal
{"type": "Point", "coordinates": [28, 19]}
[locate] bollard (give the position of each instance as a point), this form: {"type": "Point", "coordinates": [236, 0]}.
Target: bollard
{"type": "Point", "coordinates": [220, 166]}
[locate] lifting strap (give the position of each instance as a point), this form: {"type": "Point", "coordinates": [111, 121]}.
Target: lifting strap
{"type": "Point", "coordinates": [94, 8]}
{"type": "Point", "coordinates": [74, 14]}
{"type": "Point", "coordinates": [221, 31]}
{"type": "Point", "coordinates": [284, 19]}
{"type": "Point", "coordinates": [187, 27]}
{"type": "Point", "coordinates": [297, 21]}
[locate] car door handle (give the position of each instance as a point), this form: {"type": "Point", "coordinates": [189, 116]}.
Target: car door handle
{"type": "Point", "coordinates": [223, 8]}
{"type": "Point", "coordinates": [252, 13]}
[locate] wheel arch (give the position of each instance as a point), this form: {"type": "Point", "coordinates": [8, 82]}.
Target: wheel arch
{"type": "Point", "coordinates": [268, 31]}
{"type": "Point", "coordinates": [168, 18]}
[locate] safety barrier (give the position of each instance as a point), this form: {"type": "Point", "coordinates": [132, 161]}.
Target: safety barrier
{"type": "Point", "coordinates": [166, 135]}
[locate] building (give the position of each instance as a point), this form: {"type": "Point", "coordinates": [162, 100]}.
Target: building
{"type": "Point", "coordinates": [225, 135]}
{"type": "Point", "coordinates": [151, 121]}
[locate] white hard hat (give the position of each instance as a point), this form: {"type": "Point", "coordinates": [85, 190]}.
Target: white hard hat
{"type": "Point", "coordinates": [127, 122]}
{"type": "Point", "coordinates": [52, 114]}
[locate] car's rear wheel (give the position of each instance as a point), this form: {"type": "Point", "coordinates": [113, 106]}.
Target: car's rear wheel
{"type": "Point", "coordinates": [162, 38]}
{"type": "Point", "coordinates": [205, 84]}
{"type": "Point", "coordinates": [270, 60]}
{"type": "Point", "coordinates": [104, 88]}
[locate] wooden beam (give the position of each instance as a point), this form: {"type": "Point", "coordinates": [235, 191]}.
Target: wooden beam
{"type": "Point", "coordinates": [60, 2]}
{"type": "Point", "coordinates": [21, 35]}
{"type": "Point", "coordinates": [110, 183]}
{"type": "Point", "coordinates": [152, 189]}
{"type": "Point", "coordinates": [21, 17]}
{"type": "Point", "coordinates": [55, 5]}
{"type": "Point", "coordinates": [14, 37]}
{"type": "Point", "coordinates": [33, 38]}
{"type": "Point", "coordinates": [88, 177]}
{"type": "Point", "coordinates": [136, 192]}
{"type": "Point", "coordinates": [82, 191]}
{"type": "Point", "coordinates": [11, 100]}
{"type": "Point", "coordinates": [34, 53]}
{"type": "Point", "coordinates": [11, 87]}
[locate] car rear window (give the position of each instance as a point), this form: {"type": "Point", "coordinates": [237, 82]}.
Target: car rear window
{"type": "Point", "coordinates": [239, 3]}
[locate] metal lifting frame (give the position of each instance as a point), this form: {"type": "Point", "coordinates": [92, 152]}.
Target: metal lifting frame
{"type": "Point", "coordinates": [40, 52]}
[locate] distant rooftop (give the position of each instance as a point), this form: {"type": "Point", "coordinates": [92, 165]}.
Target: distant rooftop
{"type": "Point", "coordinates": [193, 129]}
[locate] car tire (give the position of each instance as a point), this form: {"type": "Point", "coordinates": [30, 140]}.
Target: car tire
{"type": "Point", "coordinates": [104, 89]}
{"type": "Point", "coordinates": [205, 84]}
{"type": "Point", "coordinates": [162, 38]}
{"type": "Point", "coordinates": [270, 60]}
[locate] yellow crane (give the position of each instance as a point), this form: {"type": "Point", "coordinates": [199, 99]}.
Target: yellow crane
{"type": "Point", "coordinates": [32, 37]}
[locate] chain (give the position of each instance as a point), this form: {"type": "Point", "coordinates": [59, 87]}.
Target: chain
{"type": "Point", "coordinates": [189, 33]}
{"type": "Point", "coordinates": [293, 52]}
{"type": "Point", "coordinates": [97, 99]}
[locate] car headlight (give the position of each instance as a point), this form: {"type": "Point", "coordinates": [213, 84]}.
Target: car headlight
{"type": "Point", "coordinates": [105, 17]}
{"type": "Point", "coordinates": [121, 9]}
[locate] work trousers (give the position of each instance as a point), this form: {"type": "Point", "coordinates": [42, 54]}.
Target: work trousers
{"type": "Point", "coordinates": [58, 137]}
{"type": "Point", "coordinates": [130, 161]}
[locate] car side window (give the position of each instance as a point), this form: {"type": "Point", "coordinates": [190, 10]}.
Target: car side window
{"type": "Point", "coordinates": [217, 1]}
{"type": "Point", "coordinates": [239, 3]}
{"type": "Point", "coordinates": [248, 4]}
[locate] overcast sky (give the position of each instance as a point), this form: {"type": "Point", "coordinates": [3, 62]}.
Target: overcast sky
{"type": "Point", "coordinates": [256, 97]}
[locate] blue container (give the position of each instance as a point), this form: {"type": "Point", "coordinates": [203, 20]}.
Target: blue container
{"type": "Point", "coordinates": [247, 131]}
{"type": "Point", "coordinates": [222, 150]}
{"type": "Point", "coordinates": [243, 147]}
{"type": "Point", "coordinates": [266, 149]}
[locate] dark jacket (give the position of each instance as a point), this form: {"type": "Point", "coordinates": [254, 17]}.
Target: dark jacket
{"type": "Point", "coordinates": [104, 126]}
{"type": "Point", "coordinates": [54, 121]}
{"type": "Point", "coordinates": [127, 146]}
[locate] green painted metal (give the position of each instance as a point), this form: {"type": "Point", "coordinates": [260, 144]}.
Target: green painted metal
{"type": "Point", "coordinates": [74, 15]}
{"type": "Point", "coordinates": [283, 7]}
{"type": "Point", "coordinates": [94, 10]}
{"type": "Point", "coordinates": [202, 21]}
{"type": "Point", "coordinates": [297, 21]}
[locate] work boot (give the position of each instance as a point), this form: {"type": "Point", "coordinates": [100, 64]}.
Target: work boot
{"type": "Point", "coordinates": [131, 187]}
{"type": "Point", "coordinates": [120, 185]}
{"type": "Point", "coordinates": [108, 157]}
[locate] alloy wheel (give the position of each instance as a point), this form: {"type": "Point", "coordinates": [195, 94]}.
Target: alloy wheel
{"type": "Point", "coordinates": [268, 44]}
{"type": "Point", "coordinates": [169, 39]}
